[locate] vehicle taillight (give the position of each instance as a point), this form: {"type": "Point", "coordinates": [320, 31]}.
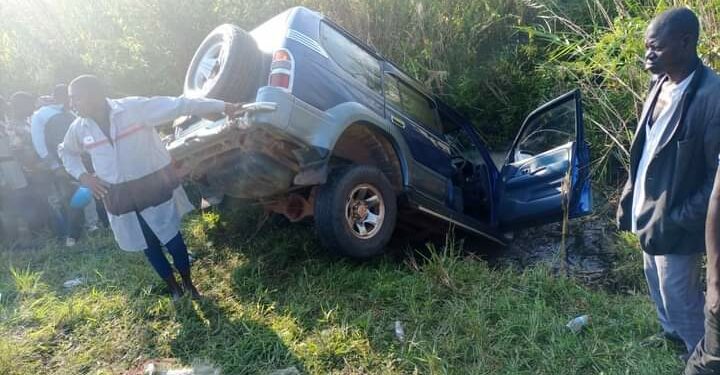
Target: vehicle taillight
{"type": "Point", "coordinates": [281, 70]}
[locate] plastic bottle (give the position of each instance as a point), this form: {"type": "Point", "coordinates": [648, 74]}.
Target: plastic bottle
{"type": "Point", "coordinates": [576, 325]}
{"type": "Point", "coordinates": [399, 331]}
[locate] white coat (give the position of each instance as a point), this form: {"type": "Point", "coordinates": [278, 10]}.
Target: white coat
{"type": "Point", "coordinates": [136, 164]}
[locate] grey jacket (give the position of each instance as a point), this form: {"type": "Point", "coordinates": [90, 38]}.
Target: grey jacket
{"type": "Point", "coordinates": [681, 173]}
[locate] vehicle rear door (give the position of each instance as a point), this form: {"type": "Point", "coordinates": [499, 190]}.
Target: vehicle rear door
{"type": "Point", "coordinates": [546, 173]}
{"type": "Point", "coordinates": [416, 116]}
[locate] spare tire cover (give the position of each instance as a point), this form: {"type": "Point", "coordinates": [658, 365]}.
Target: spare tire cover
{"type": "Point", "coordinates": [226, 66]}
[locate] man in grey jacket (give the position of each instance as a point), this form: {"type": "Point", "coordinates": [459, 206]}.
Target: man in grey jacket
{"type": "Point", "coordinates": [673, 159]}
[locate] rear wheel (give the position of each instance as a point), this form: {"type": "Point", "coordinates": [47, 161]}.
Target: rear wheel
{"type": "Point", "coordinates": [356, 211]}
{"type": "Point", "coordinates": [226, 66]}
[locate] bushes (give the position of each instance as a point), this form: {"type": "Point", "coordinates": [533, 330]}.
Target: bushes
{"type": "Point", "coordinates": [494, 60]}
{"type": "Point", "coordinates": [605, 59]}
{"type": "Point", "coordinates": [468, 51]}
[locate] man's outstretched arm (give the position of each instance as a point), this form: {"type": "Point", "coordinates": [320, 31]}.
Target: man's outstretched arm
{"type": "Point", "coordinates": [163, 109]}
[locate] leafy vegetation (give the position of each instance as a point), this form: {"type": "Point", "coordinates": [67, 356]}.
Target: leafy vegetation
{"type": "Point", "coordinates": [604, 59]}
{"type": "Point", "coordinates": [495, 60]}
{"type": "Point", "coordinates": [470, 52]}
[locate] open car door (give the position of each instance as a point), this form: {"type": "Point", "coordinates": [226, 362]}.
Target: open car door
{"type": "Point", "coordinates": [546, 174]}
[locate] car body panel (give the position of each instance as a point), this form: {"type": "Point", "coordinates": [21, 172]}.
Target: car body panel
{"type": "Point", "coordinates": [325, 100]}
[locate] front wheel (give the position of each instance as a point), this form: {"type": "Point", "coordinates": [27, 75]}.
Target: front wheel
{"type": "Point", "coordinates": [356, 211]}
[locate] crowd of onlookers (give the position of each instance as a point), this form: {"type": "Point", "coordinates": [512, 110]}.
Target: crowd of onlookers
{"type": "Point", "coordinates": [35, 189]}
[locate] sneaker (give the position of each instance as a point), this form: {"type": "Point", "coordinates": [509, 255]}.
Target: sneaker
{"type": "Point", "coordinates": [92, 228]}
{"type": "Point", "coordinates": [70, 242]}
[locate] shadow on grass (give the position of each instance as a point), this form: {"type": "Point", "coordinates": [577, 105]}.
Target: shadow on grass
{"type": "Point", "coordinates": [345, 310]}
{"type": "Point", "coordinates": [238, 345]}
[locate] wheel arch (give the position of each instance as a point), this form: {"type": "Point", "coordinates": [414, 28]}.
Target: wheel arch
{"type": "Point", "coordinates": [364, 142]}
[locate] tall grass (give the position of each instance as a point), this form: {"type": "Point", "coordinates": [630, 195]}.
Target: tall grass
{"type": "Point", "coordinates": [468, 51]}
{"type": "Point", "coordinates": [280, 301]}
{"type": "Point", "coordinates": [494, 60]}
{"type": "Point", "coordinates": [604, 58]}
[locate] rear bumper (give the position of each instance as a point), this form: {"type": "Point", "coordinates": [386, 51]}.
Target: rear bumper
{"type": "Point", "coordinates": [257, 155]}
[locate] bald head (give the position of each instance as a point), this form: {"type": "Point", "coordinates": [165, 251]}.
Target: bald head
{"type": "Point", "coordinates": [679, 22]}
{"type": "Point", "coordinates": [87, 94]}
{"type": "Point", "coordinates": [671, 42]}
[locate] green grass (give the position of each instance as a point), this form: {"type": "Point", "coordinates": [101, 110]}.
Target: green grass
{"type": "Point", "coordinates": [275, 300]}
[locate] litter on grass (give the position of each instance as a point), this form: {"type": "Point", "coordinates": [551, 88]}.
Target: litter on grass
{"type": "Point", "coordinates": [399, 331]}
{"type": "Point", "coordinates": [576, 325]}
{"type": "Point", "coordinates": [164, 368]}
{"type": "Point", "coordinates": [74, 282]}
{"type": "Point", "coordinates": [286, 371]}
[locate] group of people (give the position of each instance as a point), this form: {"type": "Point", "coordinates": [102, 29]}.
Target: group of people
{"type": "Point", "coordinates": [111, 147]}
{"type": "Point", "coordinates": [35, 188]}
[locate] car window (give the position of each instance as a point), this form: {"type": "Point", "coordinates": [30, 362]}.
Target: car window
{"type": "Point", "coordinates": [351, 57]}
{"type": "Point", "coordinates": [459, 140]}
{"type": "Point", "coordinates": [419, 107]}
{"type": "Point", "coordinates": [551, 129]}
{"type": "Point", "coordinates": [392, 92]}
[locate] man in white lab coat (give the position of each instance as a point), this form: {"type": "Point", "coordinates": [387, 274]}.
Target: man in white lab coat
{"type": "Point", "coordinates": [134, 176]}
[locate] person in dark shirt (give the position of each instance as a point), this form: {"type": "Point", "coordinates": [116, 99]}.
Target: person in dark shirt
{"type": "Point", "coordinates": [48, 127]}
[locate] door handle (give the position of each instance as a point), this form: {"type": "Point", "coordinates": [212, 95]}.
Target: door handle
{"type": "Point", "coordinates": [536, 171]}
{"type": "Point", "coordinates": [397, 121]}
{"type": "Point", "coordinates": [527, 171]}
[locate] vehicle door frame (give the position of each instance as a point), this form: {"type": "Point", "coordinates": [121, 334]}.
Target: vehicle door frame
{"type": "Point", "coordinates": [579, 162]}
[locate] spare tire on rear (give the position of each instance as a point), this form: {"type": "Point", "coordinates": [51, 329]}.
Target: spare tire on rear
{"type": "Point", "coordinates": [226, 66]}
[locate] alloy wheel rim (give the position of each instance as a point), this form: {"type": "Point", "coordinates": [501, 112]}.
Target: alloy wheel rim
{"type": "Point", "coordinates": [209, 66]}
{"type": "Point", "coordinates": [364, 211]}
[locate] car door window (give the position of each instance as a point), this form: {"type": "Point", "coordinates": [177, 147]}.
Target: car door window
{"type": "Point", "coordinates": [549, 130]}
{"type": "Point", "coordinates": [418, 107]}
{"type": "Point", "coordinates": [459, 140]}
{"type": "Point", "coordinates": [352, 58]}
{"type": "Point", "coordinates": [411, 103]}
{"type": "Point", "coordinates": [392, 92]}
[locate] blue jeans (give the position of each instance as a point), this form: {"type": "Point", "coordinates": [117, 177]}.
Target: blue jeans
{"type": "Point", "coordinates": [67, 221]}
{"type": "Point", "coordinates": [176, 247]}
{"type": "Point", "coordinates": [676, 289]}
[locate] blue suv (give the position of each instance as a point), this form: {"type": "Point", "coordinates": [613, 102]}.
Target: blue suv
{"type": "Point", "coordinates": [334, 131]}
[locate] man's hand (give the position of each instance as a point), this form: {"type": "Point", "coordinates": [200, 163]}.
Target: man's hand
{"type": "Point", "coordinates": [231, 109]}
{"type": "Point", "coordinates": [98, 186]}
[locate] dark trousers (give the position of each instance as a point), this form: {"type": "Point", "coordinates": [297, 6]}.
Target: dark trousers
{"type": "Point", "coordinates": [176, 247]}
{"type": "Point", "coordinates": [705, 360]}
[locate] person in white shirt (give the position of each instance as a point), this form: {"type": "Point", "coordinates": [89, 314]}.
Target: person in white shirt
{"type": "Point", "coordinates": [673, 160]}
{"type": "Point", "coordinates": [134, 175]}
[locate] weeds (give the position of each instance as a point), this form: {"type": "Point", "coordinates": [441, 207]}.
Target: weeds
{"type": "Point", "coordinates": [280, 301]}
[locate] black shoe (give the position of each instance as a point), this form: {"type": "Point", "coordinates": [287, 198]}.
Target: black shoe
{"type": "Point", "coordinates": [173, 288]}
{"type": "Point", "coordinates": [188, 286]}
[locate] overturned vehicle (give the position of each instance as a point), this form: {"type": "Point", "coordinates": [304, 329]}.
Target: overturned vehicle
{"type": "Point", "coordinates": [333, 131]}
